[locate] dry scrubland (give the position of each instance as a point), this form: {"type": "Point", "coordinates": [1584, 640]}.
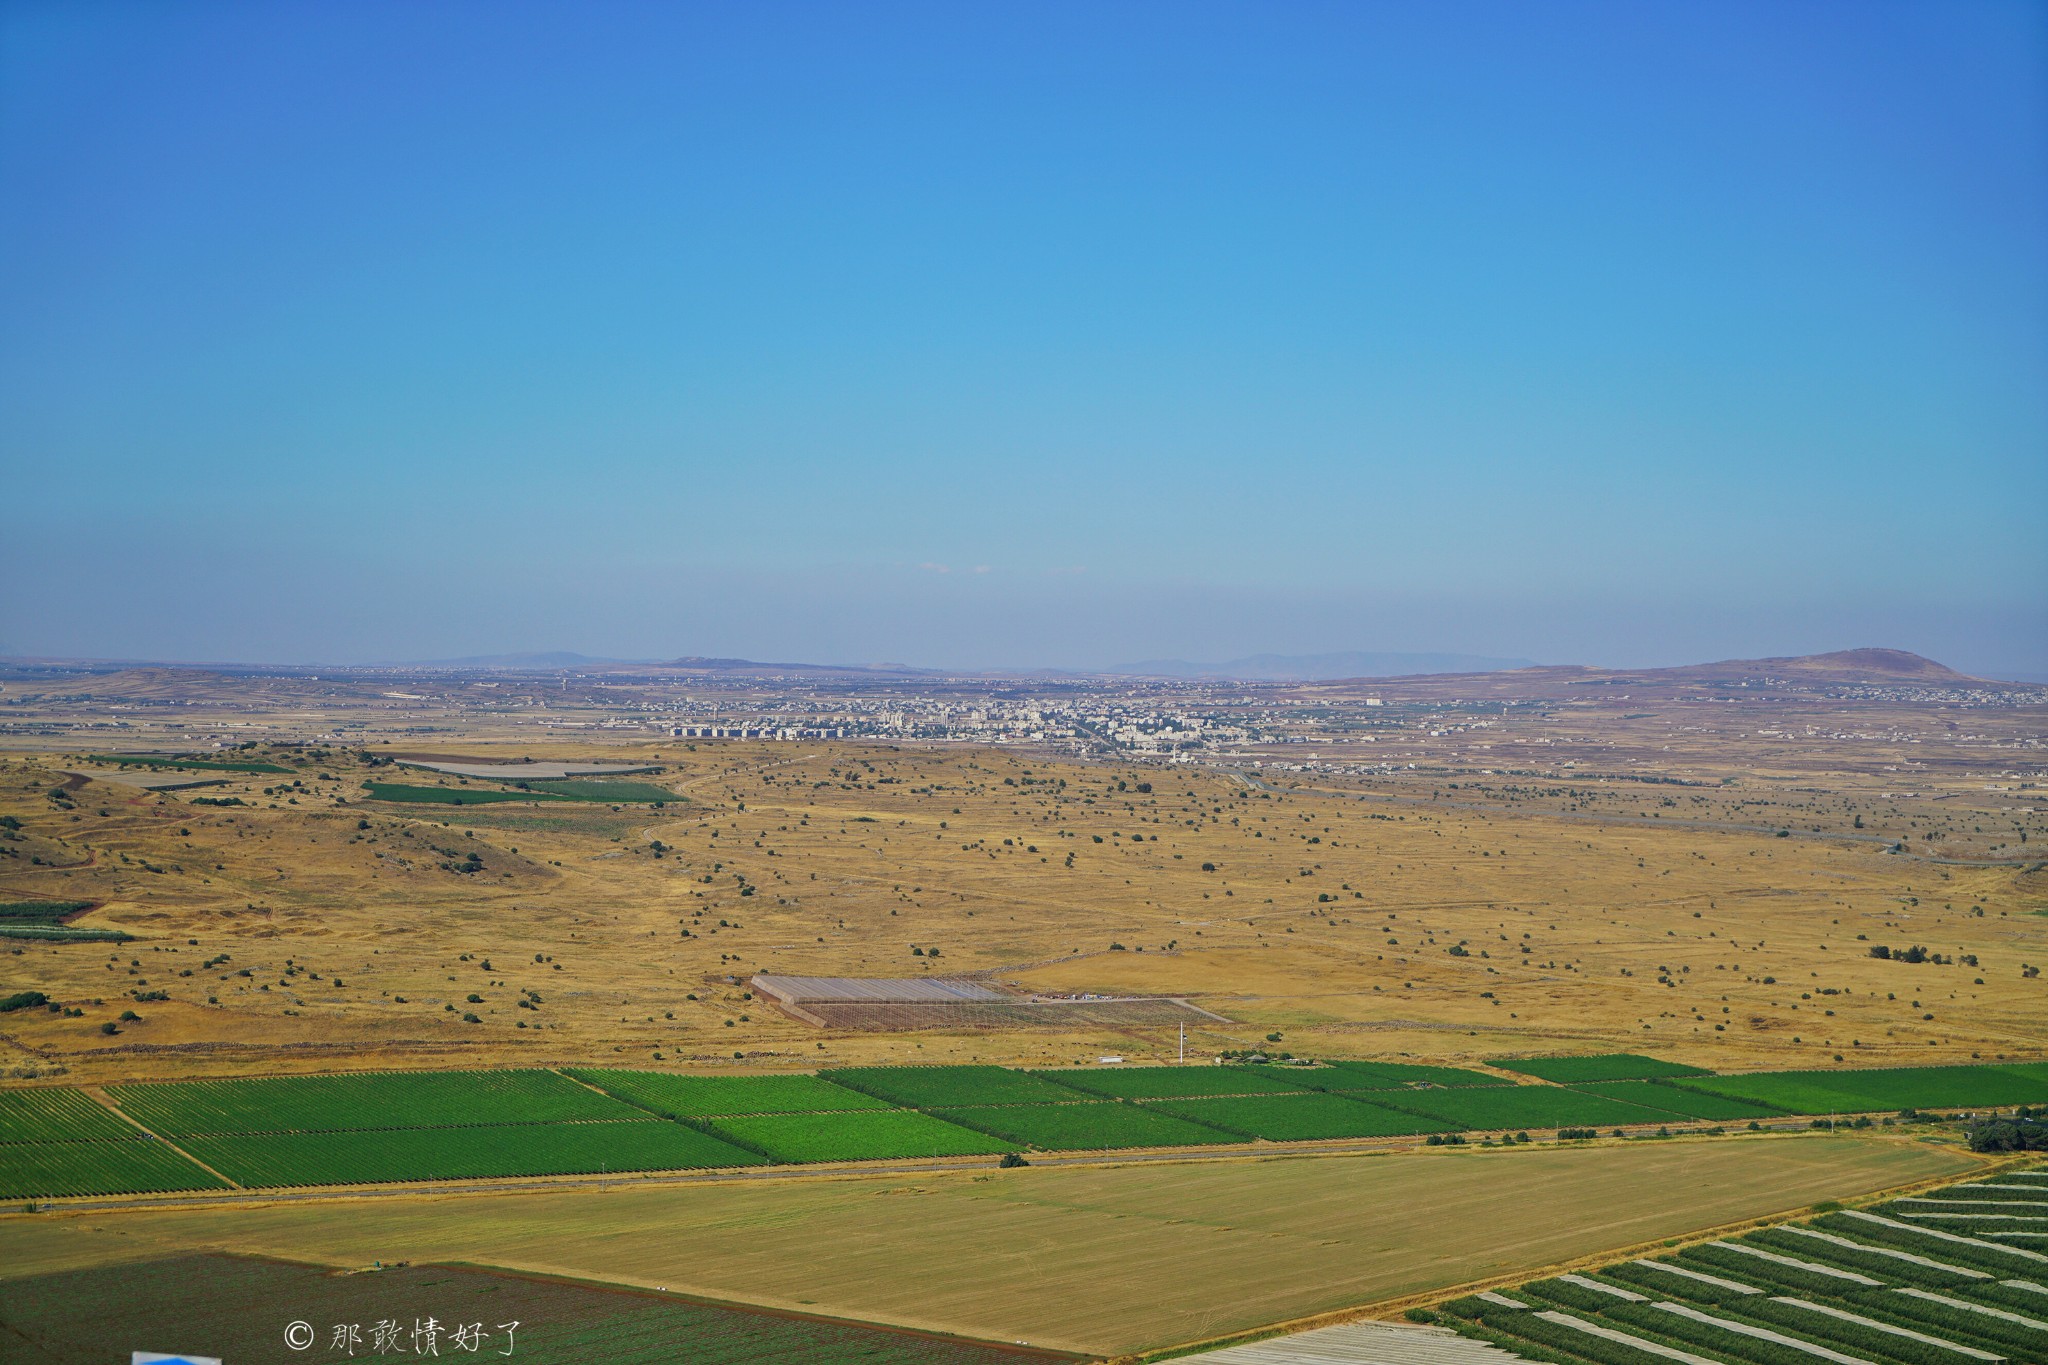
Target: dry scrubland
{"type": "Point", "coordinates": [1697, 877]}
{"type": "Point", "coordinates": [1098, 1260]}
{"type": "Point", "coordinates": [310, 928]}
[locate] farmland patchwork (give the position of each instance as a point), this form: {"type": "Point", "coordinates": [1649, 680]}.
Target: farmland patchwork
{"type": "Point", "coordinates": [1892, 1285]}
{"type": "Point", "coordinates": [393, 1127]}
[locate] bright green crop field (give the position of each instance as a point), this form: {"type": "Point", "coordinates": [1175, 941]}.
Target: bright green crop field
{"type": "Point", "coordinates": [938, 1087]}
{"type": "Point", "coordinates": [875, 1135]}
{"type": "Point", "coordinates": [1175, 1082]}
{"type": "Point", "coordinates": [1875, 1091]}
{"type": "Point", "coordinates": [1304, 1118]}
{"type": "Point", "coordinates": [450, 796]}
{"type": "Point", "coordinates": [1394, 1076]}
{"type": "Point", "coordinates": [1100, 1126]}
{"type": "Point", "coordinates": [615, 792]}
{"type": "Point", "coordinates": [1692, 1104]}
{"type": "Point", "coordinates": [706, 1096]}
{"type": "Point", "coordinates": [133, 1165]}
{"type": "Point", "coordinates": [376, 1099]}
{"type": "Point", "coordinates": [1526, 1106]}
{"type": "Point", "coordinates": [1611, 1066]}
{"type": "Point", "coordinates": [54, 1115]}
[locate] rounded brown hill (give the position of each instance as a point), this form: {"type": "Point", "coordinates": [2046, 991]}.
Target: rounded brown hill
{"type": "Point", "coordinates": [1843, 665]}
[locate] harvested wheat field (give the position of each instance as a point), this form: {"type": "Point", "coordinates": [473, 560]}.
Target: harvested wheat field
{"type": "Point", "coordinates": [1100, 1259]}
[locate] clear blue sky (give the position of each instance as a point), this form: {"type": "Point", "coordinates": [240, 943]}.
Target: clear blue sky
{"type": "Point", "coordinates": [1015, 334]}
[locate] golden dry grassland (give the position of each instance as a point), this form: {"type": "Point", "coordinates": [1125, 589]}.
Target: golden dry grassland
{"type": "Point", "coordinates": [311, 928]}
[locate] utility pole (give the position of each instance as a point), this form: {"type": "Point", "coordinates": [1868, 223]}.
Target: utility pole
{"type": "Point", "coordinates": [1183, 1043]}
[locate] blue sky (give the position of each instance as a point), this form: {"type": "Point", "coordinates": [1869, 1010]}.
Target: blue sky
{"type": "Point", "coordinates": [1035, 334]}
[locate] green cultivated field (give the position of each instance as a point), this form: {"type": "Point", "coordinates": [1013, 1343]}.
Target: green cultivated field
{"type": "Point", "coordinates": [938, 1087]}
{"type": "Point", "coordinates": [134, 1165]}
{"type": "Point", "coordinates": [1392, 1076]}
{"type": "Point", "coordinates": [1091, 1127]}
{"type": "Point", "coordinates": [214, 765]}
{"type": "Point", "coordinates": [37, 912]}
{"type": "Point", "coordinates": [1844, 1294]}
{"type": "Point", "coordinates": [615, 792]}
{"type": "Point", "coordinates": [1303, 1118]}
{"type": "Point", "coordinates": [1694, 1104]}
{"type": "Point", "coordinates": [55, 1115]}
{"type": "Point", "coordinates": [1612, 1066]}
{"type": "Point", "coordinates": [1174, 1082]}
{"type": "Point", "coordinates": [450, 796]}
{"type": "Point", "coordinates": [1874, 1091]}
{"type": "Point", "coordinates": [1527, 1106]}
{"type": "Point", "coordinates": [877, 1135]}
{"type": "Point", "coordinates": [397, 1126]}
{"type": "Point", "coordinates": [61, 933]}
{"type": "Point", "coordinates": [707, 1096]}
{"type": "Point", "coordinates": [59, 1142]}
{"type": "Point", "coordinates": [384, 1099]}
{"type": "Point", "coordinates": [403, 1154]}
{"type": "Point", "coordinates": [44, 921]}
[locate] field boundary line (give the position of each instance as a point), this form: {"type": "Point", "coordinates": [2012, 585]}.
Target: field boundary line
{"type": "Point", "coordinates": [1386, 1309]}
{"type": "Point", "coordinates": [98, 1095]}
{"type": "Point", "coordinates": [599, 1090]}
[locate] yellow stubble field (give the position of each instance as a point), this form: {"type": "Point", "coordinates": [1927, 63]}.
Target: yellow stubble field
{"type": "Point", "coordinates": [1105, 1259]}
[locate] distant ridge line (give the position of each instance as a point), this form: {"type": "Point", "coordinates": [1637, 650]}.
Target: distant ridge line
{"type": "Point", "coordinates": [1318, 672]}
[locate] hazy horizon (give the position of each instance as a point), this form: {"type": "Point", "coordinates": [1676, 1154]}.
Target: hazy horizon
{"type": "Point", "coordinates": [1014, 336]}
{"type": "Point", "coordinates": [1395, 663]}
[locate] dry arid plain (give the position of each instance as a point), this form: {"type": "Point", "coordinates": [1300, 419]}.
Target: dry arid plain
{"type": "Point", "coordinates": [1695, 864]}
{"type": "Point", "coordinates": [1688, 865]}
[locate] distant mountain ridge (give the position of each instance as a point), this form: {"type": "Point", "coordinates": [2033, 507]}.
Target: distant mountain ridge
{"type": "Point", "coordinates": [1326, 673]}
{"type": "Point", "coordinates": [1321, 667]}
{"type": "Point", "coordinates": [1847, 667]}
